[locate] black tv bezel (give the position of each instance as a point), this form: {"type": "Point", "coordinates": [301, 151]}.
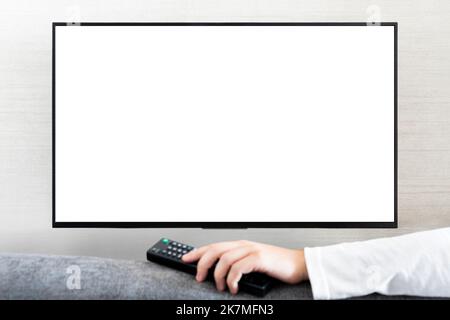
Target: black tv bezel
{"type": "Point", "coordinates": [223, 225]}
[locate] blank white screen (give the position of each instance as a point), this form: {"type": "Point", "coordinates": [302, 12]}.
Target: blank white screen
{"type": "Point", "coordinates": [224, 123]}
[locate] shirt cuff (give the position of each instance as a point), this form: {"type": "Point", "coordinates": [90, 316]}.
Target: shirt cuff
{"type": "Point", "coordinates": [319, 284]}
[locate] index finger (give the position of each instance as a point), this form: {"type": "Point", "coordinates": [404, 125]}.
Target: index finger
{"type": "Point", "coordinates": [195, 254]}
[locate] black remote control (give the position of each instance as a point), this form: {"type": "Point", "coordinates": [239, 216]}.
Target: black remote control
{"type": "Point", "coordinates": [168, 252]}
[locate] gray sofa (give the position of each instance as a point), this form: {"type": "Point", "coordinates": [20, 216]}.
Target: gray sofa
{"type": "Point", "coordinates": [55, 277]}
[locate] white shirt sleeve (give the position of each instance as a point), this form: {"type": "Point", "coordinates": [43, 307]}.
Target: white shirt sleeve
{"type": "Point", "coordinates": [415, 264]}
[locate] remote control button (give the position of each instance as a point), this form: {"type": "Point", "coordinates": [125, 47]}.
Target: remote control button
{"type": "Point", "coordinates": [179, 256]}
{"type": "Point", "coordinates": [164, 251]}
{"type": "Point", "coordinates": [173, 243]}
{"type": "Point", "coordinates": [179, 250]}
{"type": "Point", "coordinates": [169, 247]}
{"type": "Point", "coordinates": [184, 251]}
{"type": "Point", "coordinates": [184, 246]}
{"type": "Point", "coordinates": [165, 241]}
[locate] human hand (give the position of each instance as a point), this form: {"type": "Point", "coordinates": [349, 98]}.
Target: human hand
{"type": "Point", "coordinates": [236, 258]}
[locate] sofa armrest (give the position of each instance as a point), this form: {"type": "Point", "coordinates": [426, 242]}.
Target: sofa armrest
{"type": "Point", "coordinates": [30, 276]}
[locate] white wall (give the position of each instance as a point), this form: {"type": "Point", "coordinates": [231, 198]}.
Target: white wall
{"type": "Point", "coordinates": [25, 116]}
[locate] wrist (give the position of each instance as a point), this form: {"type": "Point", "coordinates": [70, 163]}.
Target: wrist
{"type": "Point", "coordinates": [302, 265]}
{"type": "Point", "coordinates": [299, 272]}
{"type": "Point", "coordinates": [302, 271]}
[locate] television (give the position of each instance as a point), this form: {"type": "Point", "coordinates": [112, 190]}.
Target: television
{"type": "Point", "coordinates": [225, 125]}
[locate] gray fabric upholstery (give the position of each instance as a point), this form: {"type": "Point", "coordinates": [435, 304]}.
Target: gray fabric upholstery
{"type": "Point", "coordinates": [45, 277]}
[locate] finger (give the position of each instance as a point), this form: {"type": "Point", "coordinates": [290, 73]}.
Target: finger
{"type": "Point", "coordinates": [194, 254]}
{"type": "Point", "coordinates": [206, 262]}
{"type": "Point", "coordinates": [225, 263]}
{"type": "Point", "coordinates": [211, 255]}
{"type": "Point", "coordinates": [244, 266]}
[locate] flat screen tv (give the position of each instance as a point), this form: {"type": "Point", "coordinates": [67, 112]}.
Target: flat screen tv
{"type": "Point", "coordinates": [225, 125]}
